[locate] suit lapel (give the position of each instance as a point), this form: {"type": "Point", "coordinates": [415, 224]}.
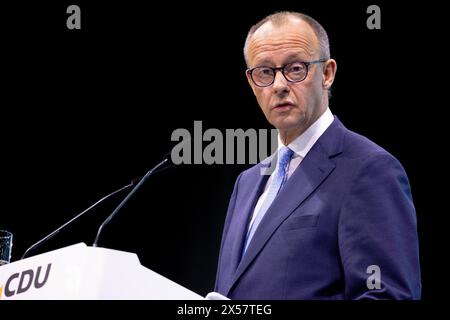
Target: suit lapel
{"type": "Point", "coordinates": [238, 227]}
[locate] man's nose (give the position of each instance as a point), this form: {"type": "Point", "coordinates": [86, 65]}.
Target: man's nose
{"type": "Point", "coordinates": [280, 84]}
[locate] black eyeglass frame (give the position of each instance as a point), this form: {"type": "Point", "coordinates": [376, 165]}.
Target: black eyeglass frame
{"type": "Point", "coordinates": [282, 69]}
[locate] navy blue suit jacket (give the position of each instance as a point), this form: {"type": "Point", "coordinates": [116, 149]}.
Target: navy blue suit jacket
{"type": "Point", "coordinates": [346, 207]}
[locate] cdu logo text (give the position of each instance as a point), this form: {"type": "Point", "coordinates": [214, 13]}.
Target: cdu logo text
{"type": "Point", "coordinates": [21, 282]}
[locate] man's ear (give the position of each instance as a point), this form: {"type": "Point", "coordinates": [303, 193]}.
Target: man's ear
{"type": "Point", "coordinates": [329, 73]}
{"type": "Point", "coordinates": [250, 82]}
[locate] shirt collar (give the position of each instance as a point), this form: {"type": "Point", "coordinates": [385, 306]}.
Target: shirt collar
{"type": "Point", "coordinates": [304, 142]}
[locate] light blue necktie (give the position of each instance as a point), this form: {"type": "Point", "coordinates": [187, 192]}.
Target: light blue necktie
{"type": "Point", "coordinates": [278, 180]}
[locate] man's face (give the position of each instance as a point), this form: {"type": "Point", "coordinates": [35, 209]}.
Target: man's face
{"type": "Point", "coordinates": [289, 107]}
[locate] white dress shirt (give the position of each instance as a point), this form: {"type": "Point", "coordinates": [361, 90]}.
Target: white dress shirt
{"type": "Point", "coordinates": [301, 146]}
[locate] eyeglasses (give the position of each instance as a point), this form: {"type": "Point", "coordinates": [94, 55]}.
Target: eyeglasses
{"type": "Point", "coordinates": [292, 72]}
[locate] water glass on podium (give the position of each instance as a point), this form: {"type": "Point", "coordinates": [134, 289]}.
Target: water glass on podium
{"type": "Point", "coordinates": [6, 238]}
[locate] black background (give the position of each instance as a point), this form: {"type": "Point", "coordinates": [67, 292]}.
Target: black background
{"type": "Point", "coordinates": [85, 111]}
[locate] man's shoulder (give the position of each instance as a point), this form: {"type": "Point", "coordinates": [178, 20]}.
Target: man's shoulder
{"type": "Point", "coordinates": [360, 150]}
{"type": "Point", "coordinates": [354, 145]}
{"type": "Point", "coordinates": [359, 146]}
{"type": "Point", "coordinates": [256, 169]}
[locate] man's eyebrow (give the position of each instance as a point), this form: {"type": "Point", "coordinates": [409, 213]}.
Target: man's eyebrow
{"type": "Point", "coordinates": [264, 62]}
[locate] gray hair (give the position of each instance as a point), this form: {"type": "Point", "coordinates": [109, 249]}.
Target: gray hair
{"type": "Point", "coordinates": [281, 18]}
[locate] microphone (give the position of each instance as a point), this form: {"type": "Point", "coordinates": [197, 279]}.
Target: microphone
{"type": "Point", "coordinates": [132, 183]}
{"type": "Point", "coordinates": [124, 201]}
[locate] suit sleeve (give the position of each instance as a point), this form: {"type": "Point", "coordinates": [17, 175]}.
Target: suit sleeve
{"type": "Point", "coordinates": [378, 239]}
{"type": "Point", "coordinates": [229, 215]}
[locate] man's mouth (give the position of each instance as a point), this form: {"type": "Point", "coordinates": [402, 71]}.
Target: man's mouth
{"type": "Point", "coordinates": [283, 106]}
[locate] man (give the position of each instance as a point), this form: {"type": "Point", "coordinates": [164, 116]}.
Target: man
{"type": "Point", "coordinates": [335, 219]}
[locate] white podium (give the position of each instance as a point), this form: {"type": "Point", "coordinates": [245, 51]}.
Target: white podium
{"type": "Point", "coordinates": [82, 272]}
